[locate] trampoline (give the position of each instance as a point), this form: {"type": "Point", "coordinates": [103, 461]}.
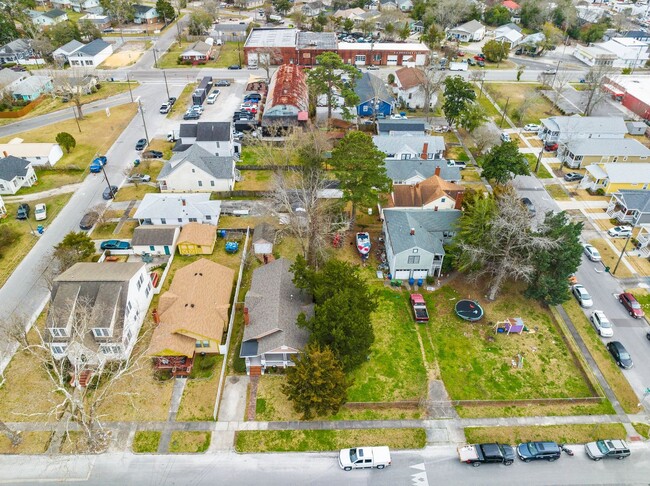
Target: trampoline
{"type": "Point", "coordinates": [469, 310]}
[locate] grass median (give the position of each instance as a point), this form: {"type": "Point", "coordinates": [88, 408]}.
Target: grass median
{"type": "Point", "coordinates": [564, 434]}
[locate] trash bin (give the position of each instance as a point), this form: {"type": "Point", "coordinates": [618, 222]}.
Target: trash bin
{"type": "Point", "coordinates": [136, 162]}
{"type": "Point", "coordinates": [607, 269]}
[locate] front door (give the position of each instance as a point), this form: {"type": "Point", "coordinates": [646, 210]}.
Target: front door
{"type": "Point", "coordinates": [166, 250]}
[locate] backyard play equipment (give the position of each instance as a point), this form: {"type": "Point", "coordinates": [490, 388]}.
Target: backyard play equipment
{"type": "Point", "coordinates": [512, 325]}
{"type": "Point", "coordinates": [469, 310]}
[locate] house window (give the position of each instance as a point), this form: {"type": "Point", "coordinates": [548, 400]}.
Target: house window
{"type": "Point", "coordinates": [410, 96]}
{"type": "Point", "coordinates": [377, 57]}
{"type": "Point", "coordinates": [202, 344]}
{"type": "Point", "coordinates": [180, 220]}
{"type": "Point", "coordinates": [212, 183]}
{"type": "Point", "coordinates": [193, 171]}
{"type": "Point", "coordinates": [101, 332]}
{"type": "Point", "coordinates": [448, 234]}
{"type": "Point", "coordinates": [58, 332]}
{"type": "Point", "coordinates": [59, 348]}
{"type": "Point", "coordinates": [192, 220]}
{"type": "Point", "coordinates": [406, 156]}
{"type": "Point", "coordinates": [414, 260]}
{"type": "Point", "coordinates": [152, 248]}
{"type": "Point", "coordinates": [206, 344]}
{"type": "Point", "coordinates": [443, 199]}
{"type": "Point", "coordinates": [147, 290]}
{"type": "Point", "coordinates": [163, 221]}
{"type": "Point", "coordinates": [208, 217]}
{"type": "Point", "coordinates": [200, 183]}
{"type": "Point", "coordinates": [129, 306]}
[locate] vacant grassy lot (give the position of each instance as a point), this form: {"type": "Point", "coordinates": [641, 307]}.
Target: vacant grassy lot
{"type": "Point", "coordinates": [515, 94]}
{"type": "Point", "coordinates": [567, 434]}
{"type": "Point", "coordinates": [32, 443]}
{"type": "Point", "coordinates": [606, 364]}
{"type": "Point", "coordinates": [201, 389]}
{"type": "Point", "coordinates": [557, 192]}
{"type": "Point", "coordinates": [54, 177]}
{"type": "Point", "coordinates": [477, 364]}
{"type": "Point", "coordinates": [228, 55]}
{"type": "Point", "coordinates": [255, 180]}
{"type": "Point", "coordinates": [146, 441]}
{"type": "Point", "coordinates": [151, 167]}
{"type": "Point", "coordinates": [190, 442]}
{"type": "Point", "coordinates": [11, 257]}
{"type": "Point", "coordinates": [131, 192]}
{"type": "Point", "coordinates": [182, 102]}
{"type": "Point", "coordinates": [542, 172]}
{"type": "Point", "coordinates": [327, 440]}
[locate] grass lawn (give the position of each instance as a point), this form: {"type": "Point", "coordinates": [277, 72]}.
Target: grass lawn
{"type": "Point", "coordinates": [477, 364]}
{"type": "Point", "coordinates": [189, 441]}
{"type": "Point", "coordinates": [557, 192]}
{"type": "Point", "coordinates": [98, 133]}
{"type": "Point", "coordinates": [542, 172]}
{"type": "Point", "coordinates": [563, 434]}
{"type": "Point", "coordinates": [610, 257]}
{"type": "Point", "coordinates": [487, 105]}
{"type": "Point", "coordinates": [161, 145]}
{"type": "Point", "coordinates": [201, 389]}
{"type": "Point", "coordinates": [145, 441]}
{"type": "Point", "coordinates": [642, 429]}
{"type": "Point", "coordinates": [182, 102]}
{"type": "Point", "coordinates": [152, 167]}
{"type": "Point", "coordinates": [54, 177]}
{"type": "Point", "coordinates": [516, 93]}
{"type": "Point", "coordinates": [606, 364]}
{"type": "Point", "coordinates": [131, 192]}
{"type": "Point", "coordinates": [32, 443]}
{"type": "Point", "coordinates": [255, 180]}
{"type": "Point", "coordinates": [327, 440]}
{"type": "Point", "coordinates": [13, 255]}
{"type": "Point", "coordinates": [104, 231]}
{"type": "Point", "coordinates": [470, 175]}
{"type": "Point", "coordinates": [228, 55]}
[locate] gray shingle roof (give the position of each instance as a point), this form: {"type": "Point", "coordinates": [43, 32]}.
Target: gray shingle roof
{"type": "Point", "coordinates": [604, 146]}
{"type": "Point", "coordinates": [637, 200]}
{"type": "Point", "coordinates": [264, 231]}
{"type": "Point", "coordinates": [401, 126]}
{"type": "Point", "coordinates": [393, 144]}
{"type": "Point", "coordinates": [471, 26]}
{"type": "Point", "coordinates": [369, 86]}
{"type": "Point", "coordinates": [198, 46]}
{"type": "Point", "coordinates": [16, 46]}
{"type": "Point", "coordinates": [218, 167]}
{"type": "Point", "coordinates": [429, 227]}
{"type": "Point", "coordinates": [213, 131]}
{"type": "Point", "coordinates": [54, 13]}
{"type": "Point", "coordinates": [71, 46]}
{"type": "Point", "coordinates": [11, 167]}
{"type": "Point", "coordinates": [94, 47]}
{"type": "Point", "coordinates": [142, 9]}
{"type": "Point", "coordinates": [401, 170]}
{"type": "Point", "coordinates": [274, 304]}
{"type": "Point", "coordinates": [155, 235]}
{"type": "Point", "coordinates": [586, 124]}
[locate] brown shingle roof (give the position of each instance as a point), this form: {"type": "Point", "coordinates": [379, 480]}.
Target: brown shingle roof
{"type": "Point", "coordinates": [418, 195]}
{"type": "Point", "coordinates": [410, 77]}
{"type": "Point", "coordinates": [198, 234]}
{"type": "Point", "coordinates": [195, 307]}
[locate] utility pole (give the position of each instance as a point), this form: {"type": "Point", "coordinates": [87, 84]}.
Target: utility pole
{"type": "Point", "coordinates": [110, 188]}
{"type": "Point", "coordinates": [620, 257]}
{"type": "Point", "coordinates": [75, 118]}
{"type": "Point", "coordinates": [166, 87]}
{"type": "Point", "coordinates": [539, 159]}
{"type": "Point", "coordinates": [505, 109]}
{"type": "Point", "coordinates": [144, 123]}
{"type": "Point", "coordinates": [155, 59]}
{"type": "Point", "coordinates": [129, 83]}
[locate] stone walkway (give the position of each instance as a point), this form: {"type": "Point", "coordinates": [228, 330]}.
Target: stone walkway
{"type": "Point", "coordinates": [124, 218]}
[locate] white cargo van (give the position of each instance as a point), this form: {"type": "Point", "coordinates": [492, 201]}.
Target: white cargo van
{"type": "Point", "coordinates": [364, 457]}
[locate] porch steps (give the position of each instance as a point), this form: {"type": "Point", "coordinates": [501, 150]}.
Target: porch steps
{"type": "Point", "coordinates": [83, 380]}
{"type": "Point", "coordinates": [255, 371]}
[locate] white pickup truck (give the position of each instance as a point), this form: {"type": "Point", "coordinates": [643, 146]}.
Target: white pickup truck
{"type": "Point", "coordinates": [364, 457]}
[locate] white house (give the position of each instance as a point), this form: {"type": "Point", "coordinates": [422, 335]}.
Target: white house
{"type": "Point", "coordinates": [408, 87]}
{"type": "Point", "coordinates": [14, 174]}
{"type": "Point", "coordinates": [155, 240]}
{"type": "Point", "coordinates": [145, 14]}
{"type": "Point", "coordinates": [215, 137]}
{"type": "Point", "coordinates": [10, 78]}
{"type": "Point", "coordinates": [49, 18]}
{"type": "Point", "coordinates": [19, 51]}
{"type": "Point", "coordinates": [92, 54]}
{"type": "Point", "coordinates": [618, 52]}
{"type": "Point", "coordinates": [62, 4]}
{"type": "Point", "coordinates": [46, 154]}
{"type": "Point", "coordinates": [84, 5]}
{"type": "Point", "coordinates": [563, 129]}
{"type": "Point", "coordinates": [3, 209]}
{"type": "Point", "coordinates": [107, 302]}
{"type": "Point", "coordinates": [178, 209]}
{"type": "Point", "coordinates": [410, 146]}
{"type": "Point", "coordinates": [414, 241]}
{"type": "Point", "coordinates": [197, 170]}
{"type": "Point", "coordinates": [66, 50]}
{"type": "Point", "coordinates": [509, 34]}
{"type": "Point", "coordinates": [472, 31]}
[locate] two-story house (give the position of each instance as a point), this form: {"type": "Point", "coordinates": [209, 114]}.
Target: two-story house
{"type": "Point", "coordinates": [197, 170]}
{"type": "Point", "coordinates": [433, 193]}
{"type": "Point", "coordinates": [96, 311]}
{"type": "Point", "coordinates": [614, 177]}
{"type": "Point", "coordinates": [564, 129]}
{"type": "Point", "coordinates": [145, 14]}
{"type": "Point", "coordinates": [410, 146]}
{"type": "Point", "coordinates": [414, 171]}
{"type": "Point", "coordinates": [14, 174]}
{"type": "Point", "coordinates": [178, 209]}
{"type": "Point", "coordinates": [16, 51]}
{"type": "Point", "coordinates": [409, 88]}
{"type": "Point", "coordinates": [92, 54]}
{"type": "Point", "coordinates": [215, 137]}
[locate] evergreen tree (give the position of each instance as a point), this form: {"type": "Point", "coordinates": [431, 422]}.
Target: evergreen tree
{"type": "Point", "coordinates": [66, 141]}
{"type": "Point", "coordinates": [326, 79]}
{"type": "Point", "coordinates": [75, 247]}
{"type": "Point", "coordinates": [503, 162]}
{"type": "Point", "coordinates": [458, 94]}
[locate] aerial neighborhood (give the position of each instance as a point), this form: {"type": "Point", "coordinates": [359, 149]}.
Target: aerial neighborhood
{"type": "Point", "coordinates": [400, 233]}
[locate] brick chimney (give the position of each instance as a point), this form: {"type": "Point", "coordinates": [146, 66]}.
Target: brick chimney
{"type": "Point", "coordinates": [437, 172]}
{"type": "Point", "coordinates": [5, 154]}
{"type": "Point", "coordinates": [425, 151]}
{"type": "Point", "coordinates": [247, 318]}
{"type": "Point", "coordinates": [459, 200]}
{"type": "Point", "coordinates": [412, 232]}
{"type": "Point", "coordinates": [156, 317]}
{"type": "Point", "coordinates": [183, 202]}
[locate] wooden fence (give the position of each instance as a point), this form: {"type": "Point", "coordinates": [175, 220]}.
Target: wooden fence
{"type": "Point", "coordinates": [24, 110]}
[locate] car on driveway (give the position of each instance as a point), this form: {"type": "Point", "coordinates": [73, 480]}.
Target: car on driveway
{"type": "Point", "coordinates": [115, 245]}
{"type": "Point", "coordinates": [23, 211]}
{"type": "Point", "coordinates": [619, 231]}
{"type": "Point", "coordinates": [139, 178]}
{"type": "Point", "coordinates": [109, 192]}
{"type": "Point", "coordinates": [222, 82]}
{"type": "Point", "coordinates": [573, 176]}
{"type": "Point", "coordinates": [532, 127]}
{"type": "Point", "coordinates": [582, 296]}
{"type": "Point", "coordinates": [601, 323]}
{"type": "Point", "coordinates": [89, 220]}
{"type": "Point", "coordinates": [191, 115]}
{"type": "Point", "coordinates": [631, 305]}
{"type": "Point", "coordinates": [505, 137]}
{"type": "Point", "coordinates": [620, 355]}
{"type": "Point", "coordinates": [539, 451]}
{"type": "Point", "coordinates": [141, 144]}
{"type": "Point", "coordinates": [152, 154]}
{"type": "Point", "coordinates": [614, 448]}
{"type": "Point", "coordinates": [592, 253]}
{"type": "Point", "coordinates": [550, 146]}
{"type": "Point", "coordinates": [40, 212]}
{"type": "Point", "coordinates": [528, 204]}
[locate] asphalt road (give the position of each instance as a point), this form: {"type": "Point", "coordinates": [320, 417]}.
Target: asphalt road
{"type": "Point", "coordinates": [433, 465]}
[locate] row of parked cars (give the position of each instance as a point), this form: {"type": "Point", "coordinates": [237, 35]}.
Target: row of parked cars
{"type": "Point", "coordinates": [40, 212]}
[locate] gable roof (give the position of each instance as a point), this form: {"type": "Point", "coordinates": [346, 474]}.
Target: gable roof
{"type": "Point", "coordinates": [510, 5]}
{"type": "Point", "coordinates": [369, 86]}
{"type": "Point", "coordinates": [469, 27]}
{"type": "Point", "coordinates": [72, 46]}
{"type": "Point", "coordinates": [401, 170]}
{"type": "Point", "coordinates": [637, 200]}
{"type": "Point", "coordinates": [586, 124]}
{"type": "Point", "coordinates": [54, 13]}
{"type": "Point", "coordinates": [428, 225]}
{"type": "Point", "coordinates": [392, 144]}
{"type": "Point", "coordinates": [621, 172]}
{"type": "Point", "coordinates": [200, 47]}
{"type": "Point", "coordinates": [8, 76]}
{"type": "Point", "coordinates": [264, 232]}
{"type": "Point", "coordinates": [95, 47]}
{"type": "Point", "coordinates": [195, 306]}
{"type": "Point", "coordinates": [32, 84]}
{"type": "Point", "coordinates": [16, 47]}
{"type": "Point", "coordinates": [612, 147]}
{"type": "Point", "coordinates": [153, 235]}
{"type": "Point", "coordinates": [198, 234]}
{"type": "Point", "coordinates": [410, 77]}
{"type": "Point", "coordinates": [206, 131]}
{"type": "Point", "coordinates": [217, 167]}
{"type": "Point", "coordinates": [177, 206]}
{"type": "Point", "coordinates": [142, 9]}
{"type": "Point", "coordinates": [273, 304]}
{"type": "Point", "coordinates": [12, 167]}
{"type": "Point", "coordinates": [423, 193]}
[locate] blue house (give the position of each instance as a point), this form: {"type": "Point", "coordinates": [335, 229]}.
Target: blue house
{"type": "Point", "coordinates": [32, 87]}
{"type": "Point", "coordinates": [374, 97]}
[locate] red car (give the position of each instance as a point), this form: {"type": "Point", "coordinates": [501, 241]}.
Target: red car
{"type": "Point", "coordinates": [550, 147]}
{"type": "Point", "coordinates": [460, 53]}
{"type": "Point", "coordinates": [631, 304]}
{"type": "Point", "coordinates": [479, 57]}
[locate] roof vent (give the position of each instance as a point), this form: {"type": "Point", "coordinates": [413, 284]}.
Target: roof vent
{"type": "Point", "coordinates": [313, 43]}
{"type": "Point", "coordinates": [192, 306]}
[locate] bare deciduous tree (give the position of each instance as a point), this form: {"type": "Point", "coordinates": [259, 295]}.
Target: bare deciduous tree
{"type": "Point", "coordinates": [72, 84]}
{"type": "Point", "coordinates": [486, 136]}
{"type": "Point", "coordinates": [595, 92]}
{"type": "Point", "coordinates": [267, 57]}
{"type": "Point", "coordinates": [560, 82]}
{"type": "Point", "coordinates": [525, 106]}
{"type": "Point", "coordinates": [448, 13]}
{"type": "Point", "coordinates": [432, 81]}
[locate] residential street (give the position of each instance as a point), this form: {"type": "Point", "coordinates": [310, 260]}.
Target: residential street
{"type": "Point", "coordinates": [433, 465]}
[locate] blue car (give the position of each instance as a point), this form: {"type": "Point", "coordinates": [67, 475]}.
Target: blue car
{"type": "Point", "coordinates": [115, 245]}
{"type": "Point", "coordinates": [97, 164]}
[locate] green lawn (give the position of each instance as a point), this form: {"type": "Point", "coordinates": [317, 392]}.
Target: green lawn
{"type": "Point", "coordinates": [557, 192]}
{"type": "Point", "coordinates": [542, 172]}
{"type": "Point", "coordinates": [192, 442]}
{"type": "Point", "coordinates": [226, 55]}
{"type": "Point", "coordinates": [181, 103]}
{"type": "Point", "coordinates": [104, 231]}
{"type": "Point", "coordinates": [327, 440]}
{"type": "Point", "coordinates": [54, 177]}
{"type": "Point", "coordinates": [515, 94]}
{"type": "Point", "coordinates": [130, 192]}
{"type": "Point", "coordinates": [567, 434]}
{"type": "Point", "coordinates": [145, 441]}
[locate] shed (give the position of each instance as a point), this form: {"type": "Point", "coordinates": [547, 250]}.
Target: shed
{"type": "Point", "coordinates": [197, 239]}
{"type": "Point", "coordinates": [263, 239]}
{"type": "Point", "coordinates": [636, 128]}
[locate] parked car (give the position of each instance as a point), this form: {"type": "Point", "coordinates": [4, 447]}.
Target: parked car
{"type": "Point", "coordinates": [139, 178]}
{"type": "Point", "coordinates": [592, 253]}
{"type": "Point", "coordinates": [40, 212]}
{"type": "Point", "coordinates": [620, 231]}
{"type": "Point", "coordinates": [97, 164]}
{"type": "Point", "coordinates": [152, 154]}
{"type": "Point", "coordinates": [171, 100]}
{"type": "Point", "coordinates": [601, 323]}
{"type": "Point", "coordinates": [222, 82]}
{"type": "Point", "coordinates": [457, 163]}
{"type": "Point", "coordinates": [505, 137]}
{"type": "Point", "coordinates": [607, 448]}
{"type": "Point", "coordinates": [471, 61]}
{"type": "Point", "coordinates": [581, 295]}
{"type": "Point", "coordinates": [164, 108]}
{"type": "Point", "coordinates": [191, 115]}
{"type": "Point", "coordinates": [529, 205]}
{"type": "Point", "coordinates": [532, 127]}
{"type": "Point", "coordinates": [254, 97]}
{"type": "Point", "coordinates": [537, 451]}
{"type": "Point", "coordinates": [23, 211]}
{"type": "Point", "coordinates": [109, 192]}
{"type": "Point", "coordinates": [141, 144]}
{"type": "Point", "coordinates": [477, 454]}
{"type": "Point", "coordinates": [115, 245]}
{"type": "Point", "coordinates": [213, 97]}
{"type": "Point", "coordinates": [480, 63]}
{"type": "Point", "coordinates": [364, 457]}
{"type": "Point", "coordinates": [550, 71]}
{"type": "Point", "coordinates": [573, 176]}
{"type": "Point", "coordinates": [479, 57]}
{"type": "Point", "coordinates": [234, 66]}
{"type": "Point", "coordinates": [550, 146]}
{"type": "Point", "coordinates": [631, 305]}
{"type": "Point", "coordinates": [89, 220]}
{"type": "Point", "coordinates": [197, 108]}
{"type": "Point", "coordinates": [620, 355]}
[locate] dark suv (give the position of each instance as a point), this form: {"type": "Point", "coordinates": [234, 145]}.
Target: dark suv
{"type": "Point", "coordinates": [23, 211]}
{"type": "Point", "coordinates": [538, 451]}
{"type": "Point", "coordinates": [607, 448]}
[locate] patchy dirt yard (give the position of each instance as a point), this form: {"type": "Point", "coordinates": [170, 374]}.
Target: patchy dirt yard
{"type": "Point", "coordinates": [125, 55]}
